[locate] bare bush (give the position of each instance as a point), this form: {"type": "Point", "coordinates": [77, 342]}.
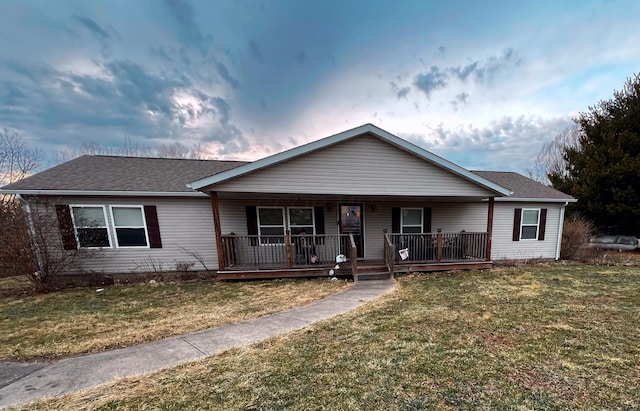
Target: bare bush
{"type": "Point", "coordinates": [16, 256]}
{"type": "Point", "coordinates": [30, 244]}
{"type": "Point", "coordinates": [576, 233]}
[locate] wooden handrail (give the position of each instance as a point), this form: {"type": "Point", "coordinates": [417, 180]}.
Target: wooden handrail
{"type": "Point", "coordinates": [389, 253]}
{"type": "Point", "coordinates": [354, 258]}
{"type": "Point", "coordinates": [440, 247]}
{"type": "Point", "coordinates": [283, 251]}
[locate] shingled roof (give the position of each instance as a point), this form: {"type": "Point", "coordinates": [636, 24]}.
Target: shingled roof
{"type": "Point", "coordinates": [104, 174]}
{"type": "Point", "coordinates": [91, 173]}
{"type": "Point", "coordinates": [523, 188]}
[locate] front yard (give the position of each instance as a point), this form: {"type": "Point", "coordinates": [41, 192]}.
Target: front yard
{"type": "Point", "coordinates": [84, 320]}
{"type": "Point", "coordinates": [535, 337]}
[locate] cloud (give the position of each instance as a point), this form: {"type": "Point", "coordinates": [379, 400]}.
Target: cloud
{"type": "Point", "coordinates": [254, 50]}
{"type": "Point", "coordinates": [189, 33]}
{"type": "Point", "coordinates": [160, 52]}
{"type": "Point", "coordinates": [301, 57]}
{"type": "Point", "coordinates": [224, 73]}
{"type": "Point", "coordinates": [98, 32]}
{"type": "Point", "coordinates": [485, 71]}
{"type": "Point", "coordinates": [506, 143]}
{"type": "Point", "coordinates": [432, 80]}
{"type": "Point", "coordinates": [462, 97]}
{"type": "Point", "coordinates": [464, 72]}
{"type": "Point", "coordinates": [480, 71]}
{"type": "Point", "coordinates": [401, 92]}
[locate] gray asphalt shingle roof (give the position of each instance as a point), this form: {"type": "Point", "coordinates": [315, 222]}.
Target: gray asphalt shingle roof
{"type": "Point", "coordinates": [164, 175]}
{"type": "Point", "coordinates": [111, 173]}
{"type": "Point", "coordinates": [522, 187]}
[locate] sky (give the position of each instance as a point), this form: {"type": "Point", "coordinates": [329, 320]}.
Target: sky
{"type": "Point", "coordinates": [483, 84]}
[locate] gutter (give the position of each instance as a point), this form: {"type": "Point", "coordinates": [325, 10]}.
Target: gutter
{"type": "Point", "coordinates": [32, 231]}
{"type": "Point", "coordinates": [106, 193]}
{"type": "Point", "coordinates": [536, 200]}
{"type": "Point", "coordinates": [560, 228]}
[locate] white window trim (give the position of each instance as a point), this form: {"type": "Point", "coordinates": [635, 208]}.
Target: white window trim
{"type": "Point", "coordinates": [144, 225]}
{"type": "Point", "coordinates": [537, 225]}
{"type": "Point", "coordinates": [312, 227]}
{"type": "Point", "coordinates": [284, 225]}
{"type": "Point", "coordinates": [402, 225]}
{"type": "Point", "coordinates": [75, 227]}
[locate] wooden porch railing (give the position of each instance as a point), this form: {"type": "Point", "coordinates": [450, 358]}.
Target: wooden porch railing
{"type": "Point", "coordinates": [389, 253]}
{"type": "Point", "coordinates": [439, 247]}
{"type": "Point", "coordinates": [354, 258]}
{"type": "Point", "coordinates": [285, 251]}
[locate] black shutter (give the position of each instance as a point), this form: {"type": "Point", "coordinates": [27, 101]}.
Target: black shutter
{"type": "Point", "coordinates": [426, 220]}
{"type": "Point", "coordinates": [252, 223]}
{"type": "Point", "coordinates": [153, 227]}
{"type": "Point", "coordinates": [395, 220]}
{"type": "Point", "coordinates": [543, 224]}
{"type": "Point", "coordinates": [66, 227]}
{"type": "Point", "coordinates": [517, 218]}
{"type": "Point", "coordinates": [319, 221]}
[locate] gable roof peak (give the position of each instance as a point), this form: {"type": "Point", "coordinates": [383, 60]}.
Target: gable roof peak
{"type": "Point", "coordinates": [367, 128]}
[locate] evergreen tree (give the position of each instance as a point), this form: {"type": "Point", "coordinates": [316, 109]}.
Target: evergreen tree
{"type": "Point", "coordinates": [603, 169]}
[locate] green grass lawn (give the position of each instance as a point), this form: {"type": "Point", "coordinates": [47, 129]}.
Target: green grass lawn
{"type": "Point", "coordinates": [535, 337]}
{"type": "Point", "coordinates": [82, 320]}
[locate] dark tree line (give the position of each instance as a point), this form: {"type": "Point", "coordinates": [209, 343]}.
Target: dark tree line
{"type": "Point", "coordinates": [602, 168]}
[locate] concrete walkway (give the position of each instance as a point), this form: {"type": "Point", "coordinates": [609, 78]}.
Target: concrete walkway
{"type": "Point", "coordinates": [24, 382]}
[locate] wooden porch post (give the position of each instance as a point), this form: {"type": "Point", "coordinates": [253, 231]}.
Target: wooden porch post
{"type": "Point", "coordinates": [490, 227]}
{"type": "Point", "coordinates": [287, 242]}
{"type": "Point", "coordinates": [217, 229]}
{"type": "Point", "coordinates": [439, 245]}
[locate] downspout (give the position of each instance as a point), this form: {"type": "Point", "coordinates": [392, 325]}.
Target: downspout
{"type": "Point", "coordinates": [32, 232]}
{"type": "Point", "coordinates": [560, 228]}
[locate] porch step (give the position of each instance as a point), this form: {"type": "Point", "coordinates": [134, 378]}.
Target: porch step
{"type": "Point", "coordinates": [377, 275]}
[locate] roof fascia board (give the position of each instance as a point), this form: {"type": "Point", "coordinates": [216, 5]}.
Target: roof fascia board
{"type": "Point", "coordinates": [535, 200]}
{"type": "Point", "coordinates": [106, 193]}
{"type": "Point", "coordinates": [337, 138]}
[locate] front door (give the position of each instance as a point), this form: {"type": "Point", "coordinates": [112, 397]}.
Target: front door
{"type": "Point", "coordinates": [352, 222]}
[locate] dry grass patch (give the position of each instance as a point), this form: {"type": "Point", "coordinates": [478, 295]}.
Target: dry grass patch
{"type": "Point", "coordinates": [467, 340]}
{"type": "Point", "coordinates": [83, 320]}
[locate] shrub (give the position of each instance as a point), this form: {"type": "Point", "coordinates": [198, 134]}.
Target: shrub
{"type": "Point", "coordinates": [576, 233]}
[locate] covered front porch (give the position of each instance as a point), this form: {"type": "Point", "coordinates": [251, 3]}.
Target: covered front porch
{"type": "Point", "coordinates": [256, 256]}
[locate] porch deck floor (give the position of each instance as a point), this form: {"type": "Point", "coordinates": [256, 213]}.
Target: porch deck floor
{"type": "Point", "coordinates": [239, 272]}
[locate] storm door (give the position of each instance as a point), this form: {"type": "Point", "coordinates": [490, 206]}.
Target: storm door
{"type": "Point", "coordinates": [351, 221]}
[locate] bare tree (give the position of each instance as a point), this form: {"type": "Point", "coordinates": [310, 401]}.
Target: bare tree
{"type": "Point", "coordinates": [131, 149]}
{"type": "Point", "coordinates": [550, 159]}
{"type": "Point", "coordinates": [16, 159]}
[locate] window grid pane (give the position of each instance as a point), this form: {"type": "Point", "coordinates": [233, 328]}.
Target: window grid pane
{"type": "Point", "coordinates": [89, 217]}
{"type": "Point", "coordinates": [270, 216]}
{"type": "Point", "coordinates": [411, 217]}
{"type": "Point", "coordinates": [529, 232]}
{"type": "Point", "coordinates": [529, 217]}
{"type": "Point", "coordinates": [127, 217]}
{"type": "Point", "coordinates": [301, 216]}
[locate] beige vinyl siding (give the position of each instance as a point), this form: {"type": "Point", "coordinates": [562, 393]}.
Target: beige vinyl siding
{"type": "Point", "coordinates": [364, 165]}
{"type": "Point", "coordinates": [504, 248]}
{"type": "Point", "coordinates": [184, 223]}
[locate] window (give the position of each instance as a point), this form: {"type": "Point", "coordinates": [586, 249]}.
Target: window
{"type": "Point", "coordinates": [129, 226]}
{"type": "Point", "coordinates": [271, 225]}
{"type": "Point", "coordinates": [411, 220]}
{"type": "Point", "coordinates": [301, 220]}
{"type": "Point", "coordinates": [90, 225]}
{"type": "Point", "coordinates": [530, 223]}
